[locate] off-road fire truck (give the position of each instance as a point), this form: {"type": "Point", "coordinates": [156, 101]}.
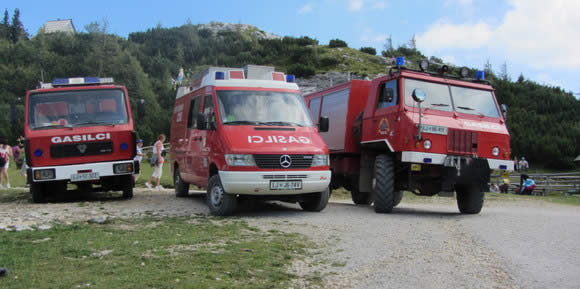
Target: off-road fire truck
{"type": "Point", "coordinates": [79, 131]}
{"type": "Point", "coordinates": [246, 133]}
{"type": "Point", "coordinates": [425, 132]}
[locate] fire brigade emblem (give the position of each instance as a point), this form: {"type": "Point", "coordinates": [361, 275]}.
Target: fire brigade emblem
{"type": "Point", "coordinates": [285, 161]}
{"type": "Point", "coordinates": [82, 148]}
{"type": "Point", "coordinates": [383, 126]}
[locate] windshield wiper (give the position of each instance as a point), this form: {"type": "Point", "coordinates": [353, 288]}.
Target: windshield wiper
{"type": "Point", "coordinates": [471, 109]}
{"type": "Point", "coordinates": [92, 123]}
{"type": "Point", "coordinates": [435, 104]}
{"type": "Point", "coordinates": [282, 123]}
{"type": "Point", "coordinates": [242, 122]}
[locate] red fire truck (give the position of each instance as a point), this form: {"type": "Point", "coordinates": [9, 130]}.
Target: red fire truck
{"type": "Point", "coordinates": [79, 131]}
{"type": "Point", "coordinates": [246, 133]}
{"type": "Point", "coordinates": [426, 132]}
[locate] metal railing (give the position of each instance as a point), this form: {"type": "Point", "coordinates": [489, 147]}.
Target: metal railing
{"type": "Point", "coordinates": [565, 183]}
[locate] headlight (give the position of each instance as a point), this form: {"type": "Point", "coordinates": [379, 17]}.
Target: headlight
{"type": "Point", "coordinates": [320, 160]}
{"type": "Point", "coordinates": [495, 151]}
{"type": "Point", "coordinates": [45, 174]}
{"type": "Point", "coordinates": [427, 144]}
{"type": "Point", "coordinates": [240, 160]}
{"type": "Point", "coordinates": [123, 168]}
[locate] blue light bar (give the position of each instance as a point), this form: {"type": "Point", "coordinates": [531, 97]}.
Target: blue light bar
{"type": "Point", "coordinates": [427, 160]}
{"type": "Point", "coordinates": [503, 167]}
{"type": "Point", "coordinates": [81, 81]}
{"type": "Point", "coordinates": [480, 75]}
{"type": "Point", "coordinates": [220, 75]}
{"type": "Point", "coordinates": [400, 61]}
{"type": "Point", "coordinates": [290, 78]}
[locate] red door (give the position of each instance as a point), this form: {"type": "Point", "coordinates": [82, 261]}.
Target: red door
{"type": "Point", "coordinates": [385, 117]}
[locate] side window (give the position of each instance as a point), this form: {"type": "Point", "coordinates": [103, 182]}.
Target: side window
{"type": "Point", "coordinates": [193, 112]}
{"type": "Point", "coordinates": [388, 94]}
{"type": "Point", "coordinates": [314, 108]}
{"type": "Point", "coordinates": [208, 110]}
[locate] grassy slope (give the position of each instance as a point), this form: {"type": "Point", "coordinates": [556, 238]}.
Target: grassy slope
{"type": "Point", "coordinates": [151, 253]}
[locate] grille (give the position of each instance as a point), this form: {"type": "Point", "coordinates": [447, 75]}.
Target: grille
{"type": "Point", "coordinates": [284, 177]}
{"type": "Point", "coordinates": [462, 142]}
{"type": "Point", "coordinates": [78, 149]}
{"type": "Point", "coordinates": [273, 161]}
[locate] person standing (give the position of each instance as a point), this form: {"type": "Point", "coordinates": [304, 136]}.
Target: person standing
{"type": "Point", "coordinates": [138, 157]}
{"type": "Point", "coordinates": [5, 154]}
{"type": "Point", "coordinates": [157, 162]}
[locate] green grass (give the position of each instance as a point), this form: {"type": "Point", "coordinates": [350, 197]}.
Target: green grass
{"type": "Point", "coordinates": [151, 253]}
{"type": "Point", "coordinates": [353, 60]}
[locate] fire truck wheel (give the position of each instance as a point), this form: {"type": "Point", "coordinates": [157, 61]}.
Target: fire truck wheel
{"type": "Point", "coordinates": [384, 184]}
{"type": "Point", "coordinates": [398, 198]}
{"type": "Point", "coordinates": [469, 199]}
{"type": "Point", "coordinates": [360, 198]}
{"type": "Point", "coordinates": [38, 196]}
{"type": "Point", "coordinates": [316, 202]}
{"type": "Point", "coordinates": [181, 187]}
{"type": "Point", "coordinates": [128, 188]}
{"type": "Point", "coordinates": [219, 202]}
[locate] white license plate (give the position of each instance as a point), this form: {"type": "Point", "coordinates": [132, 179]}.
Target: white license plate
{"type": "Point", "coordinates": [285, 185]}
{"type": "Point", "coordinates": [84, 177]}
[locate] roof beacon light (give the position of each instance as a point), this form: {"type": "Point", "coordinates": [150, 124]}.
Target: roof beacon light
{"type": "Point", "coordinates": [424, 65]}
{"type": "Point", "coordinates": [464, 72]}
{"type": "Point", "coordinates": [480, 75]}
{"type": "Point", "coordinates": [290, 78]}
{"type": "Point", "coordinates": [81, 81]}
{"type": "Point", "coordinates": [400, 61]}
{"type": "Point", "coordinates": [220, 75]}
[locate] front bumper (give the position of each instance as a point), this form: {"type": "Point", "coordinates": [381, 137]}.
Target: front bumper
{"type": "Point", "coordinates": [439, 159]}
{"type": "Point", "coordinates": [63, 173]}
{"type": "Point", "coordinates": [258, 183]}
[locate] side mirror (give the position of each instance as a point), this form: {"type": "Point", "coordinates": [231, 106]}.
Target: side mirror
{"type": "Point", "coordinates": [323, 124]}
{"type": "Point", "coordinates": [141, 108]}
{"type": "Point", "coordinates": [419, 95]}
{"type": "Point", "coordinates": [201, 122]}
{"type": "Point", "coordinates": [504, 110]}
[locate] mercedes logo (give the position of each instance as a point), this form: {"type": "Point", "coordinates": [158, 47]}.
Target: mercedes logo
{"type": "Point", "coordinates": [82, 148]}
{"type": "Point", "coordinates": [285, 161]}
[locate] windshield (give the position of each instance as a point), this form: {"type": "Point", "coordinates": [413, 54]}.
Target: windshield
{"type": "Point", "coordinates": [239, 107]}
{"type": "Point", "coordinates": [448, 98]}
{"type": "Point", "coordinates": [77, 108]}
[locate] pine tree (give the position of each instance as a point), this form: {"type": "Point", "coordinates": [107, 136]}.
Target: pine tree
{"type": "Point", "coordinates": [17, 31]}
{"type": "Point", "coordinates": [5, 26]}
{"type": "Point", "coordinates": [487, 67]}
{"type": "Point", "coordinates": [388, 44]}
{"type": "Point", "coordinates": [521, 78]}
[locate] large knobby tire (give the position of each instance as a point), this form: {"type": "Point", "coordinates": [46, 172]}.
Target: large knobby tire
{"type": "Point", "coordinates": [38, 194]}
{"type": "Point", "coordinates": [316, 202]}
{"type": "Point", "coordinates": [128, 185]}
{"type": "Point", "coordinates": [360, 198]}
{"type": "Point", "coordinates": [181, 187]}
{"type": "Point", "coordinates": [384, 184]}
{"type": "Point", "coordinates": [469, 198]}
{"type": "Point", "coordinates": [219, 202]}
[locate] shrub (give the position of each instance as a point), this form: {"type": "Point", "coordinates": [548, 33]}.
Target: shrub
{"type": "Point", "coordinates": [334, 43]}
{"type": "Point", "coordinates": [368, 50]}
{"type": "Point", "coordinates": [327, 61]}
{"type": "Point", "coordinates": [301, 70]}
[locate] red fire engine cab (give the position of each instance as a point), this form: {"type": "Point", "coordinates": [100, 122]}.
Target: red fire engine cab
{"type": "Point", "coordinates": [79, 131]}
{"type": "Point", "coordinates": [426, 132]}
{"type": "Point", "coordinates": [246, 133]}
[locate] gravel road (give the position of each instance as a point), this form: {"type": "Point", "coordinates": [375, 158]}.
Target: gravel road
{"type": "Point", "coordinates": [423, 244]}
